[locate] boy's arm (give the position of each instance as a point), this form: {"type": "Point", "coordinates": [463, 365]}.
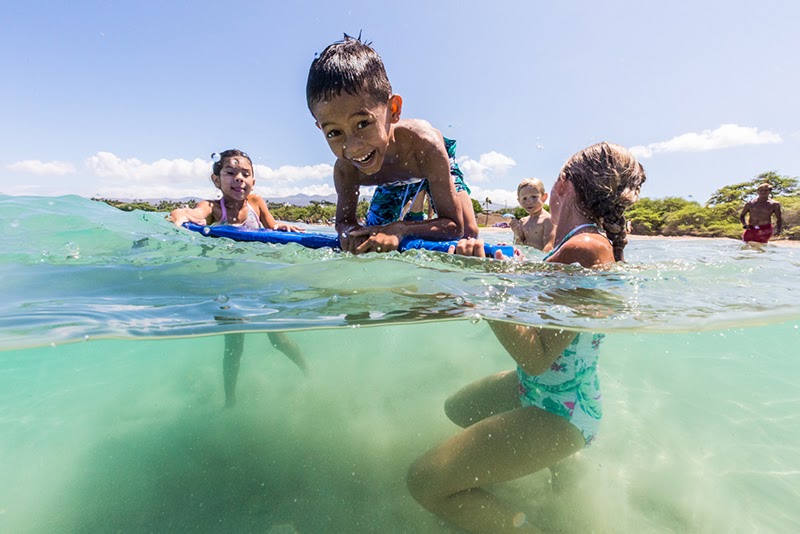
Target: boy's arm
{"type": "Point", "coordinates": [432, 162]}
{"type": "Point", "coordinates": [519, 233]}
{"type": "Point", "coordinates": [549, 235]}
{"type": "Point", "coordinates": [200, 214]}
{"type": "Point", "coordinates": [345, 180]}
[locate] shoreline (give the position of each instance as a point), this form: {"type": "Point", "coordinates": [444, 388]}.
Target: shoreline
{"type": "Point", "coordinates": [778, 242]}
{"type": "Point", "coordinates": [634, 237]}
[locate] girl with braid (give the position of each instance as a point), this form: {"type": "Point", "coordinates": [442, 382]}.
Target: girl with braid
{"type": "Point", "coordinates": [520, 421]}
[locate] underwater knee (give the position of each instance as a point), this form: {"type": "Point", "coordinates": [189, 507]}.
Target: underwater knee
{"type": "Point", "coordinates": [419, 484]}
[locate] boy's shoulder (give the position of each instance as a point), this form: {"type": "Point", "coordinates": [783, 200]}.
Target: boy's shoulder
{"type": "Point", "coordinates": [416, 131]}
{"type": "Point", "coordinates": [417, 143]}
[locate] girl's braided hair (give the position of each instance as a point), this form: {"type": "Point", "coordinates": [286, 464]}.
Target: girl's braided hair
{"type": "Point", "coordinates": [607, 179]}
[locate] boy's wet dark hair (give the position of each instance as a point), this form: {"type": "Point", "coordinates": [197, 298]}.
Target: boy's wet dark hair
{"type": "Point", "coordinates": [225, 154]}
{"type": "Point", "coordinates": [349, 65]}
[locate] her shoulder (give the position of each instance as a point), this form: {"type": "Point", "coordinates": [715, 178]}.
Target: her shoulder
{"type": "Point", "coordinates": [255, 200]}
{"type": "Point", "coordinates": [588, 250]}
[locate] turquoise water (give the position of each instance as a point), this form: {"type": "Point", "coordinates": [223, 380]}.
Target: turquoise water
{"type": "Point", "coordinates": [111, 394]}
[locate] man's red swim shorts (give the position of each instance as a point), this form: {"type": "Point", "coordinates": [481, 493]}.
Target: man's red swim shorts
{"type": "Point", "coordinates": [759, 234]}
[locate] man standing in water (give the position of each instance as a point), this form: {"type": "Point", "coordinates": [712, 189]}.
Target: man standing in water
{"type": "Point", "coordinates": [759, 226]}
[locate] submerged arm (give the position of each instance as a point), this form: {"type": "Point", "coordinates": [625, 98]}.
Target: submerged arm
{"type": "Point", "coordinates": [533, 348]}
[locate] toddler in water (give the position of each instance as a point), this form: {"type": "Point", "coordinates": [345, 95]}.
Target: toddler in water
{"type": "Point", "coordinates": [239, 206]}
{"type": "Point", "coordinates": [351, 99]}
{"type": "Point", "coordinates": [520, 421]}
{"type": "Point", "coordinates": [537, 229]}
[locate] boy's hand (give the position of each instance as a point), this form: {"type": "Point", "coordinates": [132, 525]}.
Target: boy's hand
{"type": "Point", "coordinates": [473, 247]}
{"type": "Point", "coordinates": [350, 239]}
{"type": "Point", "coordinates": [375, 239]}
{"type": "Point", "coordinates": [514, 223]}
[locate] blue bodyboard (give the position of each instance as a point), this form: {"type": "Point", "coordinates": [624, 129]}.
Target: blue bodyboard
{"type": "Point", "coordinates": [320, 240]}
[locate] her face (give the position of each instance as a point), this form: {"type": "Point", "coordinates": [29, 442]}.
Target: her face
{"type": "Point", "coordinates": [236, 179]}
{"type": "Point", "coordinates": [358, 129]}
{"type": "Point", "coordinates": [562, 192]}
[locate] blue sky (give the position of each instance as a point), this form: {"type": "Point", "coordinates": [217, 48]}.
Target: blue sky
{"type": "Point", "coordinates": [129, 99]}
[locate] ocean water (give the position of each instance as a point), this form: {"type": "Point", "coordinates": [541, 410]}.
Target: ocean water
{"type": "Point", "coordinates": [111, 383]}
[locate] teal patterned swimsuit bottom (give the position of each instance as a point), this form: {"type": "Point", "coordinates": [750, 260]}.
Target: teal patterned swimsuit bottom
{"type": "Point", "coordinates": [570, 388]}
{"type": "Point", "coordinates": [389, 199]}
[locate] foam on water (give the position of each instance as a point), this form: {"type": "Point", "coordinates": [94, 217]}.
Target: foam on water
{"type": "Point", "coordinates": [128, 433]}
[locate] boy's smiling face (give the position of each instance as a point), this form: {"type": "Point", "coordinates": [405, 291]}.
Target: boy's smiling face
{"type": "Point", "coordinates": [531, 199]}
{"type": "Point", "coordinates": [357, 128]}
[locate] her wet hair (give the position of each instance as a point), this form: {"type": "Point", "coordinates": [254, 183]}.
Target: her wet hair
{"type": "Point", "coordinates": [349, 65]}
{"type": "Point", "coordinates": [607, 180]}
{"type": "Point", "coordinates": [225, 154]}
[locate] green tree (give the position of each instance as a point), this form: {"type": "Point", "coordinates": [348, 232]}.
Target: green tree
{"type": "Point", "coordinates": [648, 216]}
{"type": "Point", "coordinates": [362, 209]}
{"type": "Point", "coordinates": [476, 206]}
{"type": "Point", "coordinates": [739, 193]}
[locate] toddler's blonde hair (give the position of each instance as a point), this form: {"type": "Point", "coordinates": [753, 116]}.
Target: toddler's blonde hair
{"type": "Point", "coordinates": [531, 182]}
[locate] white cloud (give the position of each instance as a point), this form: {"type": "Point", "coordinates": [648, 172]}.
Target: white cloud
{"type": "Point", "coordinates": [501, 198]}
{"type": "Point", "coordinates": [287, 173]}
{"type": "Point", "coordinates": [726, 136]}
{"type": "Point", "coordinates": [108, 175]}
{"type": "Point", "coordinates": [33, 166]}
{"type": "Point", "coordinates": [108, 165]}
{"type": "Point", "coordinates": [489, 165]}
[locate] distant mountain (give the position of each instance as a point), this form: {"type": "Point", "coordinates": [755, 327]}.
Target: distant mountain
{"type": "Point", "coordinates": [303, 200]}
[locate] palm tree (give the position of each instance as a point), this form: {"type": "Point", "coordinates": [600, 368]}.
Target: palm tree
{"type": "Point", "coordinates": [486, 204]}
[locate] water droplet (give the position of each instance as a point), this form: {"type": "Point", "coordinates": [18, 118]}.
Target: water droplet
{"type": "Point", "coordinates": [475, 318]}
{"type": "Point", "coordinates": [222, 299]}
{"type": "Point", "coordinates": [334, 299]}
{"type": "Point", "coordinates": [460, 301]}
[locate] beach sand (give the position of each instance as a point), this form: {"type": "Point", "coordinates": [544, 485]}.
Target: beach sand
{"type": "Point", "coordinates": [778, 242]}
